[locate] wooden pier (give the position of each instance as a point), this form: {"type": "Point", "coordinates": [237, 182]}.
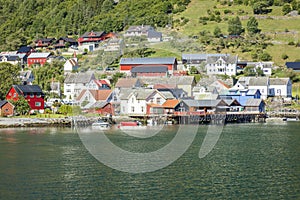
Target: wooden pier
{"type": "Point", "coordinates": [205, 118]}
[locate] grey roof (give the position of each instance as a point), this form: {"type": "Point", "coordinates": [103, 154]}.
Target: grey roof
{"type": "Point", "coordinates": [66, 39]}
{"type": "Point", "coordinates": [279, 81]}
{"type": "Point", "coordinates": [167, 94]}
{"type": "Point", "coordinates": [94, 34]}
{"type": "Point", "coordinates": [232, 102]}
{"type": "Point", "coordinates": [3, 102]}
{"type": "Point", "coordinates": [162, 61]}
{"type": "Point", "coordinates": [142, 28]}
{"type": "Point", "coordinates": [258, 81]}
{"type": "Point", "coordinates": [253, 102]}
{"type": "Point", "coordinates": [39, 55]}
{"type": "Point", "coordinates": [227, 58]}
{"type": "Point", "coordinates": [99, 104]}
{"type": "Point", "coordinates": [128, 83]}
{"type": "Point", "coordinates": [45, 39]}
{"type": "Point", "coordinates": [28, 89]}
{"type": "Point", "coordinates": [143, 93]}
{"type": "Point", "coordinates": [178, 93]}
{"type": "Point", "coordinates": [85, 77]}
{"type": "Point", "coordinates": [149, 69]}
{"type": "Point", "coordinates": [154, 34]}
{"type": "Point", "coordinates": [203, 103]}
{"type": "Point", "coordinates": [12, 57]}
{"type": "Point", "coordinates": [244, 80]}
{"type": "Point", "coordinates": [173, 80]}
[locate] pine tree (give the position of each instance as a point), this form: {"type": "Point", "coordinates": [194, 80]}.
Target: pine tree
{"type": "Point", "coordinates": [235, 26]}
{"type": "Point", "coordinates": [252, 26]}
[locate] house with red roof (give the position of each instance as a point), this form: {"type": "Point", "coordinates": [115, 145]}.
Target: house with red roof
{"type": "Point", "coordinates": [98, 84]}
{"type": "Point", "coordinates": [87, 98]}
{"type": "Point", "coordinates": [94, 37]}
{"type": "Point", "coordinates": [32, 93]}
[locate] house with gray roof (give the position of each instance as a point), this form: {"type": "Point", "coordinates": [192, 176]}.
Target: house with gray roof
{"type": "Point", "coordinates": [196, 59]}
{"type": "Point", "coordinates": [26, 77]}
{"type": "Point", "coordinates": [282, 87]}
{"type": "Point", "coordinates": [154, 36]}
{"type": "Point", "coordinates": [221, 65]}
{"type": "Point", "coordinates": [255, 106]}
{"type": "Point", "coordinates": [141, 30]}
{"type": "Point", "coordinates": [75, 82]}
{"type": "Point", "coordinates": [262, 84]}
{"type": "Point", "coordinates": [182, 82]}
{"type": "Point", "coordinates": [127, 64]}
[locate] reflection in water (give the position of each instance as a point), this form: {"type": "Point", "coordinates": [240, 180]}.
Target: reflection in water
{"type": "Point", "coordinates": [250, 161]}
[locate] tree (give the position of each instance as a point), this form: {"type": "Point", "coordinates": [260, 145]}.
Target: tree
{"type": "Point", "coordinates": [252, 26]}
{"type": "Point", "coordinates": [21, 106]}
{"type": "Point", "coordinates": [235, 26]}
{"type": "Point", "coordinates": [9, 76]}
{"type": "Point", "coordinates": [260, 7]}
{"type": "Point", "coordinates": [286, 8]}
{"type": "Point", "coordinates": [217, 32]}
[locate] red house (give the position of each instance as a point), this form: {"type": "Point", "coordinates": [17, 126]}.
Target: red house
{"type": "Point", "coordinates": [6, 108]}
{"type": "Point", "coordinates": [32, 93]}
{"type": "Point", "coordinates": [37, 58]}
{"type": "Point", "coordinates": [94, 37]}
{"type": "Point", "coordinates": [127, 65]}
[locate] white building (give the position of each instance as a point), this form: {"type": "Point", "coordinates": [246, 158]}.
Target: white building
{"type": "Point", "coordinates": [282, 87]}
{"type": "Point", "coordinates": [221, 65]}
{"type": "Point", "coordinates": [76, 82]}
{"type": "Point", "coordinates": [138, 30]}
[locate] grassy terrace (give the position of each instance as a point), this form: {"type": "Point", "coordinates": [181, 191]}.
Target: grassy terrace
{"type": "Point", "coordinates": [281, 29]}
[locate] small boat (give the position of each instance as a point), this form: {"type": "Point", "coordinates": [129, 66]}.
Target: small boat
{"type": "Point", "coordinates": [291, 119]}
{"type": "Point", "coordinates": [100, 124]}
{"type": "Point", "coordinates": [135, 125]}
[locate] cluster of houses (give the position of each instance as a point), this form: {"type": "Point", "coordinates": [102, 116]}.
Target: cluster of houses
{"type": "Point", "coordinates": [29, 55]}
{"type": "Point", "coordinates": [152, 85]}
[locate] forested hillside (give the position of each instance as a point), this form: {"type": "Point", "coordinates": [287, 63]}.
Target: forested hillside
{"type": "Point", "coordinates": [23, 21]}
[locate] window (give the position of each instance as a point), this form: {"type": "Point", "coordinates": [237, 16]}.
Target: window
{"type": "Point", "coordinates": [38, 104]}
{"type": "Point", "coordinates": [15, 94]}
{"type": "Point", "coordinates": [142, 108]}
{"type": "Point", "coordinates": [278, 91]}
{"type": "Point", "coordinates": [38, 95]}
{"type": "Point", "coordinates": [132, 109]}
{"type": "Point", "coordinates": [158, 100]}
{"type": "Point", "coordinates": [31, 95]}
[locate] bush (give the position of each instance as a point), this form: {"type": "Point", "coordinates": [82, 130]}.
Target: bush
{"type": "Point", "coordinates": [291, 43]}
{"type": "Point", "coordinates": [284, 56]}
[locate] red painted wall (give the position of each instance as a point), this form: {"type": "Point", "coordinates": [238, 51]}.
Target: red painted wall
{"type": "Point", "coordinates": [32, 100]}
{"type": "Point", "coordinates": [41, 61]}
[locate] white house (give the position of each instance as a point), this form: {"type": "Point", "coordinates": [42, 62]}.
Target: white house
{"type": "Point", "coordinates": [71, 64]}
{"type": "Point", "coordinates": [282, 87]}
{"type": "Point", "coordinates": [221, 65]}
{"type": "Point", "coordinates": [135, 101]}
{"type": "Point", "coordinates": [266, 67]}
{"type": "Point", "coordinates": [76, 82]}
{"type": "Point", "coordinates": [138, 30]}
{"type": "Point", "coordinates": [98, 84]}
{"type": "Point", "coordinates": [87, 98]}
{"type": "Point", "coordinates": [262, 84]}
{"type": "Point", "coordinates": [154, 36]}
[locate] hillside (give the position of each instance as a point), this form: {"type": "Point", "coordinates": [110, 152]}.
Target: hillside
{"type": "Point", "coordinates": [193, 23]}
{"type": "Point", "coordinates": [283, 30]}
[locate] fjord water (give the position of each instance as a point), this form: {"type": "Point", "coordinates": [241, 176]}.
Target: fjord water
{"type": "Point", "coordinates": [249, 161]}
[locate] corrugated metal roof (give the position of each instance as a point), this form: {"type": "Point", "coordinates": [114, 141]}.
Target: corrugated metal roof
{"type": "Point", "coordinates": [253, 102]}
{"type": "Point", "coordinates": [227, 58]}
{"type": "Point", "coordinates": [199, 56]}
{"type": "Point", "coordinates": [162, 61]}
{"type": "Point", "coordinates": [39, 55]}
{"type": "Point", "coordinates": [79, 77]}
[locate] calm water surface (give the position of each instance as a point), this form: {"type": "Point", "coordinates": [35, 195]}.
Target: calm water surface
{"type": "Point", "coordinates": [250, 161]}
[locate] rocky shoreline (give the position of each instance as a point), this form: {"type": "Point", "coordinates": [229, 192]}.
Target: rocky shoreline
{"type": "Point", "coordinates": [35, 122]}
